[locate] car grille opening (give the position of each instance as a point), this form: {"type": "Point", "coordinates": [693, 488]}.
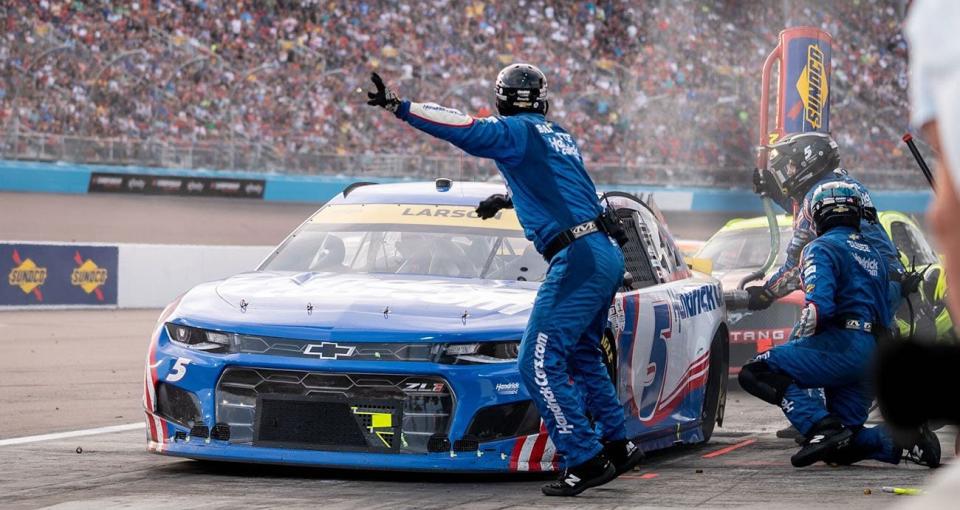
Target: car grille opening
{"type": "Point", "coordinates": [422, 406]}
{"type": "Point", "coordinates": [505, 420]}
{"type": "Point", "coordinates": [178, 405]}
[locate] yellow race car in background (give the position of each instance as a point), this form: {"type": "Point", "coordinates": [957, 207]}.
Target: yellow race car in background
{"type": "Point", "coordinates": [741, 246]}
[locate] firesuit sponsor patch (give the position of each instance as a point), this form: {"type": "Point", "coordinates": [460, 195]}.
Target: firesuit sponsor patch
{"type": "Point", "coordinates": [540, 377]}
{"type": "Point", "coordinates": [441, 114]}
{"type": "Point", "coordinates": [858, 246]}
{"type": "Point", "coordinates": [560, 142]}
{"type": "Point", "coordinates": [871, 266]}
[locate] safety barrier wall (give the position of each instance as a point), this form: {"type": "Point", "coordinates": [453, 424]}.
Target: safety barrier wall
{"type": "Point", "coordinates": [77, 178]}
{"type": "Point", "coordinates": [91, 275]}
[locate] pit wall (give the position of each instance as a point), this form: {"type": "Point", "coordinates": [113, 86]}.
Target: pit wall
{"type": "Point", "coordinates": [92, 275]}
{"type": "Point", "coordinates": [75, 178]}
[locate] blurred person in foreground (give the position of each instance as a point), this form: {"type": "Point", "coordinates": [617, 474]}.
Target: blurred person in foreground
{"type": "Point", "coordinates": [917, 382]}
{"type": "Point", "coordinates": [846, 288]}
{"type": "Point", "coordinates": [913, 379]}
{"type": "Point", "coordinates": [556, 202]}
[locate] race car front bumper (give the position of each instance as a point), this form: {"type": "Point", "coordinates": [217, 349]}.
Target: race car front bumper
{"type": "Point", "coordinates": [400, 415]}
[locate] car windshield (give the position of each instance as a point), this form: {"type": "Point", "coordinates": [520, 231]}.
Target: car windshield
{"type": "Point", "coordinates": [448, 241]}
{"type": "Point", "coordinates": [743, 248]}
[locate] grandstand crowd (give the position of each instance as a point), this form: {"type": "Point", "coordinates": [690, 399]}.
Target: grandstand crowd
{"type": "Point", "coordinates": [650, 87]}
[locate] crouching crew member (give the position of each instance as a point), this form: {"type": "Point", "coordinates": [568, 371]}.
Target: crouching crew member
{"type": "Point", "coordinates": [556, 202]}
{"type": "Point", "coordinates": [846, 285]}
{"type": "Point", "coordinates": [799, 162]}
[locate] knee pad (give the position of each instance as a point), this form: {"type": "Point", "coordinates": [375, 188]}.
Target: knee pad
{"type": "Point", "coordinates": [759, 380]}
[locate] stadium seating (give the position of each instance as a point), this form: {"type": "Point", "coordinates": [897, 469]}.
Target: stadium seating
{"type": "Point", "coordinates": [654, 91]}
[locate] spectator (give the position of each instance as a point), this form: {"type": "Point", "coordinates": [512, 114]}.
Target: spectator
{"type": "Point", "coordinates": [643, 87]}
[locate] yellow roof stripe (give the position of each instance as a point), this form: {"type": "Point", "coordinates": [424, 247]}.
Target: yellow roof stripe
{"type": "Point", "coordinates": [413, 214]}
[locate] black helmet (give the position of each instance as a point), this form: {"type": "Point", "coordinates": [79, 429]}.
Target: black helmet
{"type": "Point", "coordinates": [521, 88]}
{"type": "Point", "coordinates": [798, 160]}
{"type": "Point", "coordinates": [834, 204]}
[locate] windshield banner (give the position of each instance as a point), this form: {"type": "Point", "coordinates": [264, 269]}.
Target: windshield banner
{"type": "Point", "coordinates": [413, 214]}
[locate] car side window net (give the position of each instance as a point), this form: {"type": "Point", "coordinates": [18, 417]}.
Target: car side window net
{"type": "Point", "coordinates": [635, 252]}
{"type": "Point", "coordinates": [911, 243]}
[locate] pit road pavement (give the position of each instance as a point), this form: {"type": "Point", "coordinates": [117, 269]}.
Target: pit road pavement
{"type": "Point", "coordinates": [69, 370]}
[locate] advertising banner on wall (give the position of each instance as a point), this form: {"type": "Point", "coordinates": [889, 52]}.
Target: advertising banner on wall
{"type": "Point", "coordinates": [176, 185]}
{"type": "Point", "coordinates": [58, 275]}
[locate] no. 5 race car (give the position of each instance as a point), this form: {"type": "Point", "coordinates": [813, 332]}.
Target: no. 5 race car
{"type": "Point", "coordinates": [383, 334]}
{"type": "Point", "coordinates": [741, 246]}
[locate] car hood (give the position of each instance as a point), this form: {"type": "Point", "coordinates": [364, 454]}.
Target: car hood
{"type": "Point", "coordinates": [731, 279]}
{"type": "Point", "coordinates": [360, 306]}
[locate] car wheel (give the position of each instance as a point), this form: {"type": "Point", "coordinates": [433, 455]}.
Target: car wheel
{"type": "Point", "coordinates": [715, 397]}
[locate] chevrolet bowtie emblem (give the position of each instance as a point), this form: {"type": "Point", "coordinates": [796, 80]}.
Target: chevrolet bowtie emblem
{"type": "Point", "coordinates": [329, 350]}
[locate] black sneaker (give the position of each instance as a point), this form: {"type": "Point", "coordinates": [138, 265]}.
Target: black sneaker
{"type": "Point", "coordinates": [926, 451]}
{"type": "Point", "coordinates": [826, 438]}
{"type": "Point", "coordinates": [592, 473]}
{"type": "Point", "coordinates": [791, 432]}
{"type": "Point", "coordinates": [624, 454]}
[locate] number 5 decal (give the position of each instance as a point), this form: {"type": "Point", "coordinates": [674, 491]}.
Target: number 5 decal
{"type": "Point", "coordinates": [178, 370]}
{"type": "Point", "coordinates": [656, 370]}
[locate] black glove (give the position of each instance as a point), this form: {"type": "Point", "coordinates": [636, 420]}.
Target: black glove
{"type": "Point", "coordinates": [758, 184]}
{"type": "Point", "coordinates": [491, 205]}
{"type": "Point", "coordinates": [760, 298]}
{"type": "Point", "coordinates": [383, 97]}
{"type": "Point", "coordinates": [763, 185]}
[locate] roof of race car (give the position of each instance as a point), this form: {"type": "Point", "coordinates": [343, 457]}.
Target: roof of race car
{"type": "Point", "coordinates": [423, 192]}
{"type": "Point", "coordinates": [783, 220]}
{"type": "Point", "coordinates": [786, 220]}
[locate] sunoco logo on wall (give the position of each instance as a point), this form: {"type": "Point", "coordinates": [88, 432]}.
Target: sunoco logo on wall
{"type": "Point", "coordinates": [88, 276]}
{"type": "Point", "coordinates": [27, 275]}
{"type": "Point", "coordinates": [48, 274]}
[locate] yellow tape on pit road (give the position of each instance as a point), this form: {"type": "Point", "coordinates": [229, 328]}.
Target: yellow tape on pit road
{"type": "Point", "coordinates": [413, 214]}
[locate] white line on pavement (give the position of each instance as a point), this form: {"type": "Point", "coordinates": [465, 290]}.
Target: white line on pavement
{"type": "Point", "coordinates": [72, 433]}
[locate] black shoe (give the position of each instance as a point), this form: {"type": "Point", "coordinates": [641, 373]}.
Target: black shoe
{"type": "Point", "coordinates": [791, 432]}
{"type": "Point", "coordinates": [623, 454]}
{"type": "Point", "coordinates": [826, 438]}
{"type": "Point", "coordinates": [926, 451]}
{"type": "Point", "coordinates": [592, 473]}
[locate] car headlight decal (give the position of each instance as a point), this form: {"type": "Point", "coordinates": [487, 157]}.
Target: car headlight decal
{"type": "Point", "coordinates": [480, 353]}
{"type": "Point", "coordinates": [201, 339]}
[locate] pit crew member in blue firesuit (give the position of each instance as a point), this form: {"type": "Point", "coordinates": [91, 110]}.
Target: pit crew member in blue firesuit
{"type": "Point", "coordinates": [798, 163]}
{"type": "Point", "coordinates": [846, 288]}
{"type": "Point", "coordinates": [556, 202]}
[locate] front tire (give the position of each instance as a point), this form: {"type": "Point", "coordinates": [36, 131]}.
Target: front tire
{"type": "Point", "coordinates": [715, 396]}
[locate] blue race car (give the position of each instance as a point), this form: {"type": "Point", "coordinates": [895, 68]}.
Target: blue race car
{"type": "Point", "coordinates": [383, 334]}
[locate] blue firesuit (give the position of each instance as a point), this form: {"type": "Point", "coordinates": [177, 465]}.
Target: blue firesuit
{"type": "Point", "coordinates": [781, 282]}
{"type": "Point", "coordinates": [846, 284]}
{"type": "Point", "coordinates": [560, 361]}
